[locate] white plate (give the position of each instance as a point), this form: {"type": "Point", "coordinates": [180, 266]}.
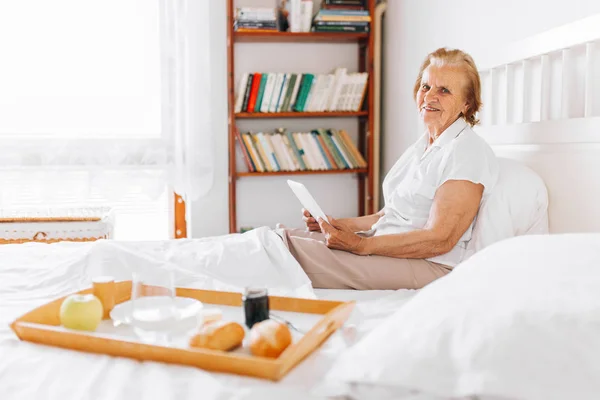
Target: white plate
{"type": "Point", "coordinates": [188, 312]}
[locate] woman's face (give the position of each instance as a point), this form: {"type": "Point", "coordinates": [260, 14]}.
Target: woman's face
{"type": "Point", "coordinates": [441, 99]}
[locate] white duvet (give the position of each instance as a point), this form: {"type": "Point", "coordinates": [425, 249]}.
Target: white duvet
{"type": "Point", "coordinates": [520, 319]}
{"type": "Point", "coordinates": [33, 274]}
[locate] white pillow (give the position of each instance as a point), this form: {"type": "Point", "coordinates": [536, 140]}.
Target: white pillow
{"type": "Point", "coordinates": [518, 320]}
{"type": "Point", "coordinates": [518, 205]}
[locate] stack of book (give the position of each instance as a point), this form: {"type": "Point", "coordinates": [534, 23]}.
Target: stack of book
{"type": "Point", "coordinates": [272, 92]}
{"type": "Point", "coordinates": [254, 19]}
{"type": "Point", "coordinates": [319, 149]}
{"type": "Point", "coordinates": [300, 13]}
{"type": "Point", "coordinates": [342, 20]}
{"type": "Point", "coordinates": [343, 4]}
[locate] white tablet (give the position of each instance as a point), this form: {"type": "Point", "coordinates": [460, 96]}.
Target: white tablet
{"type": "Point", "coordinates": [306, 199]}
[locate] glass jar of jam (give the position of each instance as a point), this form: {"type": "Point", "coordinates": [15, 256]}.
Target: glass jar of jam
{"type": "Point", "coordinates": [256, 305]}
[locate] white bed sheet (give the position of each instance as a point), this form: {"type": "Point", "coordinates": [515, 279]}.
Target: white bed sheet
{"type": "Point", "coordinates": [33, 274]}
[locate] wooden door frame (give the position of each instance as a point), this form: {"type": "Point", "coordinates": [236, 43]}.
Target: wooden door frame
{"type": "Point", "coordinates": [180, 222]}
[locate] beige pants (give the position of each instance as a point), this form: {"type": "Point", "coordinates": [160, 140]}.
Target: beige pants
{"type": "Point", "coordinates": [336, 269]}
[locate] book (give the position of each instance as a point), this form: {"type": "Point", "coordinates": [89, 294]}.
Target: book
{"type": "Point", "coordinates": [354, 29]}
{"type": "Point", "coordinates": [271, 77]}
{"type": "Point", "coordinates": [245, 152]}
{"type": "Point", "coordinates": [259, 166]}
{"type": "Point", "coordinates": [262, 153]}
{"type": "Point", "coordinates": [261, 92]}
{"type": "Point", "coordinates": [272, 92]}
{"type": "Point", "coordinates": [241, 92]}
{"type": "Point", "coordinates": [254, 91]}
{"type": "Point", "coordinates": [357, 156]}
{"type": "Point", "coordinates": [247, 92]}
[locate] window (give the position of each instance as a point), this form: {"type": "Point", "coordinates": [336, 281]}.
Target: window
{"type": "Point", "coordinates": [85, 110]}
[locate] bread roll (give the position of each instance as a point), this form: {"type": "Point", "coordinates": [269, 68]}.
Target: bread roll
{"type": "Point", "coordinates": [269, 338]}
{"type": "Point", "coordinates": [219, 335]}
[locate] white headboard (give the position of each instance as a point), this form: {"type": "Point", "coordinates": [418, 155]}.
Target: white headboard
{"type": "Point", "coordinates": [541, 101]}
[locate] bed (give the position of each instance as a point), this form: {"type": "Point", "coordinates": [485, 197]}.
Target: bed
{"type": "Point", "coordinates": [517, 341]}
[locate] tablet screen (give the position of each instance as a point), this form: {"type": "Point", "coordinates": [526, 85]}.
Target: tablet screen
{"type": "Point", "coordinates": [306, 199]}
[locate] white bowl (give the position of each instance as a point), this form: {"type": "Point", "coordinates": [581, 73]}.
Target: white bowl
{"type": "Point", "coordinates": [188, 313]}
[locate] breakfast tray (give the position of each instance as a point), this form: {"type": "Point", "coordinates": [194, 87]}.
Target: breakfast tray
{"type": "Point", "coordinates": [42, 325]}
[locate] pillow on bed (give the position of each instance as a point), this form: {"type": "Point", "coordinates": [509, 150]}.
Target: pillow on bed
{"type": "Point", "coordinates": [519, 320]}
{"type": "Point", "coordinates": [518, 205]}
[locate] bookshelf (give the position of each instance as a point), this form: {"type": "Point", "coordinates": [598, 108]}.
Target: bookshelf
{"type": "Point", "coordinates": [365, 54]}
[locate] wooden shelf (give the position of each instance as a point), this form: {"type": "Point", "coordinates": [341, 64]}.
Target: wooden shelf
{"type": "Point", "coordinates": [320, 172]}
{"type": "Point", "coordinates": [326, 114]}
{"type": "Point", "coordinates": [361, 44]}
{"type": "Point", "coordinates": [325, 37]}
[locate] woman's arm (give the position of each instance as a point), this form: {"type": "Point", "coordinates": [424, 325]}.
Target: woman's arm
{"type": "Point", "coordinates": [454, 207]}
{"type": "Point", "coordinates": [356, 224]}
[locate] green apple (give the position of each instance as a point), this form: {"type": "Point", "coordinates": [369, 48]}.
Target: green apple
{"type": "Point", "coordinates": [81, 311]}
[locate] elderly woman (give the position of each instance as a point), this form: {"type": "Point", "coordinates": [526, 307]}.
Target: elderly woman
{"type": "Point", "coordinates": [432, 195]}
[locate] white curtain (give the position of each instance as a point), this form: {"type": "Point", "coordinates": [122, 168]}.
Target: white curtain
{"type": "Point", "coordinates": [104, 102]}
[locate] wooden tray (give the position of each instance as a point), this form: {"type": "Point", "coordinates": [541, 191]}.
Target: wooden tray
{"type": "Point", "coordinates": [42, 325]}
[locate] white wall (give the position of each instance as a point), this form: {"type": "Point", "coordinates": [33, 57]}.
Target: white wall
{"type": "Point", "coordinates": [416, 28]}
{"type": "Point", "coordinates": [413, 29]}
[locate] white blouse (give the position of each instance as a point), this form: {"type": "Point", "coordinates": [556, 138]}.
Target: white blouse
{"type": "Point", "coordinates": [410, 186]}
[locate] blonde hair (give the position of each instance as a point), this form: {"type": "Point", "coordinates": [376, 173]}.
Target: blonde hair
{"type": "Point", "coordinates": [459, 58]}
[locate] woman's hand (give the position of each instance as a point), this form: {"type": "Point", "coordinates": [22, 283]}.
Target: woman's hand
{"type": "Point", "coordinates": [339, 237]}
{"type": "Point", "coordinates": [310, 222]}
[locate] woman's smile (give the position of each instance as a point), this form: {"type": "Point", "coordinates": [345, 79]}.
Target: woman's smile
{"type": "Point", "coordinates": [441, 97]}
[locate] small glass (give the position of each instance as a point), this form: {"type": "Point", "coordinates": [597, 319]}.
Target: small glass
{"type": "Point", "coordinates": [256, 305]}
{"type": "Point", "coordinates": [153, 311]}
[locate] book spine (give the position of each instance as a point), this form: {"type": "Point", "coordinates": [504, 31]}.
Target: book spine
{"type": "Point", "coordinates": [253, 152]}
{"type": "Point", "coordinates": [239, 101]}
{"type": "Point", "coordinates": [316, 151]}
{"type": "Point", "coordinates": [309, 93]}
{"type": "Point", "coordinates": [247, 92]}
{"type": "Point", "coordinates": [262, 152]}
{"type": "Point", "coordinates": [285, 152]}
{"type": "Point", "coordinates": [295, 16]}
{"type": "Point", "coordinates": [290, 152]}
{"type": "Point", "coordinates": [322, 153]}
{"type": "Point", "coordinates": [264, 107]}
{"type": "Point", "coordinates": [338, 149]}
{"type": "Point", "coordinates": [272, 139]}
{"type": "Point", "coordinates": [307, 89]}
{"type": "Point", "coordinates": [363, 91]}
{"type": "Point", "coordinates": [288, 93]}
{"type": "Point", "coordinates": [353, 13]}
{"type": "Point", "coordinates": [341, 23]}
{"type": "Point", "coordinates": [309, 159]}
{"type": "Point", "coordinates": [357, 156]}
{"type": "Point", "coordinates": [254, 92]}
{"type": "Point", "coordinates": [334, 151]}
{"type": "Point", "coordinates": [337, 28]}
{"type": "Point", "coordinates": [328, 155]}
{"type": "Point", "coordinates": [296, 150]}
{"type": "Point", "coordinates": [276, 91]}
{"type": "Point", "coordinates": [306, 10]}
{"type": "Point", "coordinates": [284, 86]}
{"type": "Point", "coordinates": [261, 92]}
{"type": "Point", "coordinates": [338, 140]}
{"type": "Point", "coordinates": [352, 18]}
{"type": "Point", "coordinates": [270, 152]}
{"type": "Point", "coordinates": [301, 90]}
{"type": "Point", "coordinates": [245, 152]}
